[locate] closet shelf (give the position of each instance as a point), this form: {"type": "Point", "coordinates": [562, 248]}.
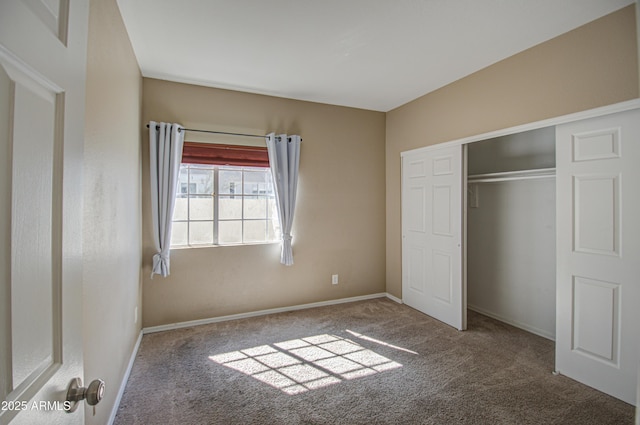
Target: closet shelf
{"type": "Point", "coordinates": [540, 173]}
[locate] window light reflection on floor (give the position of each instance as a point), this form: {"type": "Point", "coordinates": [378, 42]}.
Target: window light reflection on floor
{"type": "Point", "coordinates": [304, 364]}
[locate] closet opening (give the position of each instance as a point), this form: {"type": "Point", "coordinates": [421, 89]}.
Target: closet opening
{"type": "Point", "coordinates": [511, 230]}
{"type": "Point", "coordinates": [528, 225]}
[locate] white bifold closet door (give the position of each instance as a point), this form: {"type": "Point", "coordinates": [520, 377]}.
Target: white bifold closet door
{"type": "Point", "coordinates": [432, 181]}
{"type": "Point", "coordinates": [598, 252]}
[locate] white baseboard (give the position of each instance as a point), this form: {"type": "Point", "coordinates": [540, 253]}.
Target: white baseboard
{"type": "Point", "coordinates": [191, 323]}
{"type": "Point", "coordinates": [125, 378]}
{"type": "Point", "coordinates": [523, 326]}
{"type": "Point", "coordinates": [392, 298]}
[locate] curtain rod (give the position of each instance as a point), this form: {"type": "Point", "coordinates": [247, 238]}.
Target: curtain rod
{"type": "Point", "coordinates": [215, 132]}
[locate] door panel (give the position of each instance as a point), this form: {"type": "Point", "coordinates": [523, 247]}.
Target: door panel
{"type": "Point", "coordinates": [414, 223]}
{"type": "Point", "coordinates": [432, 232]}
{"type": "Point", "coordinates": [32, 262]}
{"type": "Point", "coordinates": [596, 201]}
{"type": "Point", "coordinates": [442, 276]}
{"type": "Point", "coordinates": [598, 205]}
{"type": "Point", "coordinates": [415, 270]}
{"type": "Point", "coordinates": [41, 137]}
{"type": "Point", "coordinates": [595, 307]}
{"type": "Point", "coordinates": [442, 210]}
{"type": "Point", "coordinates": [416, 214]}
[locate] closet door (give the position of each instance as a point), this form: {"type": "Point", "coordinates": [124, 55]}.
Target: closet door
{"type": "Point", "coordinates": [598, 252]}
{"type": "Point", "coordinates": [432, 234]}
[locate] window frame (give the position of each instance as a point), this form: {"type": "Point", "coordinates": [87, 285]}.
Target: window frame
{"type": "Point", "coordinates": [270, 215]}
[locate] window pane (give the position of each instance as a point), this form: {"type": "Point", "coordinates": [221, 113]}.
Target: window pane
{"type": "Point", "coordinates": [200, 180]}
{"type": "Point", "coordinates": [273, 208]}
{"type": "Point", "coordinates": [229, 207]}
{"type": "Point", "coordinates": [180, 208]}
{"type": "Point", "coordinates": [273, 230]}
{"type": "Point", "coordinates": [255, 182]}
{"type": "Point", "coordinates": [201, 232]}
{"type": "Point", "coordinates": [229, 181]}
{"type": "Point", "coordinates": [255, 231]}
{"type": "Point", "coordinates": [255, 207]}
{"type": "Point", "coordinates": [183, 177]}
{"type": "Point", "coordinates": [201, 208]}
{"type": "Point", "coordinates": [269, 179]}
{"type": "Point", "coordinates": [229, 232]}
{"type": "Point", "coordinates": [179, 234]}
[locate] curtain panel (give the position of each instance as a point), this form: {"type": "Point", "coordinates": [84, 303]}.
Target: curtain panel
{"type": "Point", "coordinates": [284, 160]}
{"type": "Point", "coordinates": [216, 154]}
{"type": "Point", "coordinates": [165, 153]}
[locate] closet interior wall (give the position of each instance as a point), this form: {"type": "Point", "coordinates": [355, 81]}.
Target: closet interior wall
{"type": "Point", "coordinates": [511, 256]}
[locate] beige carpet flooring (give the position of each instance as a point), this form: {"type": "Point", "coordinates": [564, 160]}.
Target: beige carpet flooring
{"type": "Point", "coordinates": [370, 362]}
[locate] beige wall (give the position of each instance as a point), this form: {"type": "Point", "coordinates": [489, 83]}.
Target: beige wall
{"type": "Point", "coordinates": [339, 220]}
{"type": "Point", "coordinates": [112, 207]}
{"type": "Point", "coordinates": [594, 65]}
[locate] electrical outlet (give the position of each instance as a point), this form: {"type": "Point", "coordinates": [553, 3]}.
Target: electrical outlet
{"type": "Point", "coordinates": [334, 279]}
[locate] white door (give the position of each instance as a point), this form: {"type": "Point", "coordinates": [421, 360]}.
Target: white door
{"type": "Point", "coordinates": [432, 234]}
{"type": "Point", "coordinates": [42, 77]}
{"type": "Point", "coordinates": [598, 252]}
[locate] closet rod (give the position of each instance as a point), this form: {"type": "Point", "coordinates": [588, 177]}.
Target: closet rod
{"type": "Point", "coordinates": [541, 173]}
{"type": "Point", "coordinates": [507, 179]}
{"type": "Point", "coordinates": [215, 132]}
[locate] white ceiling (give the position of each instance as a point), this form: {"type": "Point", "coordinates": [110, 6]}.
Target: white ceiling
{"type": "Point", "coordinates": [371, 54]}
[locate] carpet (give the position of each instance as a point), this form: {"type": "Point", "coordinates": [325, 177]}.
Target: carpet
{"type": "Point", "coordinates": [369, 362]}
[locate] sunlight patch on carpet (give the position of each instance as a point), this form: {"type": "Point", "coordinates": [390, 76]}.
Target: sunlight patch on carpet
{"type": "Point", "coordinates": [377, 341]}
{"type": "Point", "coordinates": [304, 364]}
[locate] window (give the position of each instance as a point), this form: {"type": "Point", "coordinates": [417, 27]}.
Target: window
{"type": "Point", "coordinates": [224, 205]}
